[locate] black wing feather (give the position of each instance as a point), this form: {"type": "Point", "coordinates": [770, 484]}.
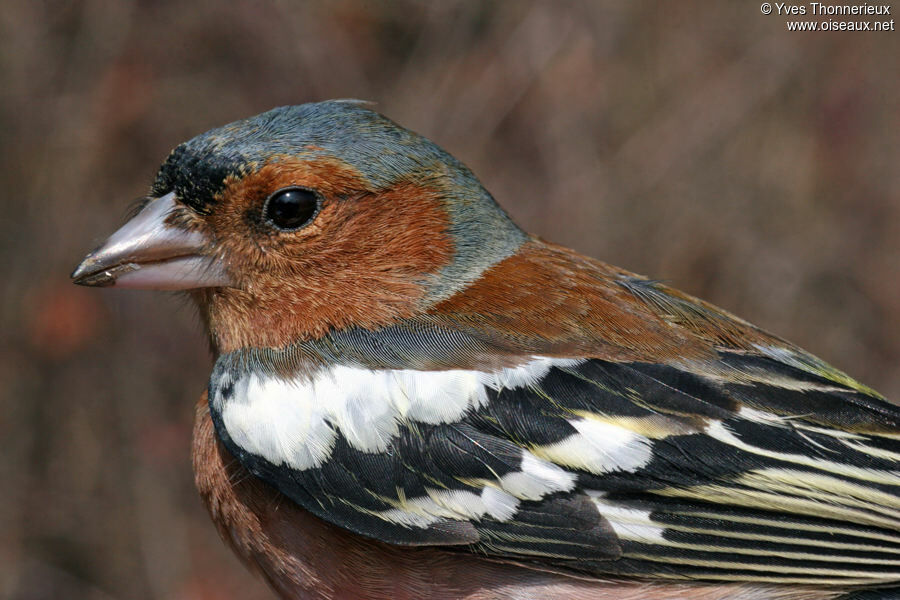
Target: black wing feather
{"type": "Point", "coordinates": [760, 470]}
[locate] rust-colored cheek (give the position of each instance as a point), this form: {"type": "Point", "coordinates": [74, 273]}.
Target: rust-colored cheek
{"type": "Point", "coordinates": [364, 261]}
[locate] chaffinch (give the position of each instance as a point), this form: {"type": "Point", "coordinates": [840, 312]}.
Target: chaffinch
{"type": "Point", "coordinates": [412, 397]}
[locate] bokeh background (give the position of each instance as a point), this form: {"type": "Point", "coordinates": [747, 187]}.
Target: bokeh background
{"type": "Point", "coordinates": [695, 142]}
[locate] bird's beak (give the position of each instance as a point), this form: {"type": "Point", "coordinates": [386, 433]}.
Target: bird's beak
{"type": "Point", "coordinates": [148, 253]}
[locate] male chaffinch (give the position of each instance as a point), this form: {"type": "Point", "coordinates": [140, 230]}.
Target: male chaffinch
{"type": "Point", "coordinates": [413, 398]}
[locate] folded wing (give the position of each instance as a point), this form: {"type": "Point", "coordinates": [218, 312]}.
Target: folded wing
{"type": "Point", "coordinates": [616, 428]}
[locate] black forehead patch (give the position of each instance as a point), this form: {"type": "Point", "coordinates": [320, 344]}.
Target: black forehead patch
{"type": "Point", "coordinates": [196, 175]}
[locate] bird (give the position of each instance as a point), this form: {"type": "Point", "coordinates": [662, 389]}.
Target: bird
{"type": "Point", "coordinates": [412, 397]}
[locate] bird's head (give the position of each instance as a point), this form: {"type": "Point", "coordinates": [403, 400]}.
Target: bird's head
{"type": "Point", "coordinates": [307, 219]}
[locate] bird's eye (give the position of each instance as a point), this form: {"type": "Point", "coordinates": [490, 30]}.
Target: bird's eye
{"type": "Point", "coordinates": [291, 208]}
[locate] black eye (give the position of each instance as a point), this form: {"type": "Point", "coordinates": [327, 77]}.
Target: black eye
{"type": "Point", "coordinates": [291, 208]}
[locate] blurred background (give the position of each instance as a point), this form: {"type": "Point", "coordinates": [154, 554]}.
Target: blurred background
{"type": "Point", "coordinates": [695, 142]}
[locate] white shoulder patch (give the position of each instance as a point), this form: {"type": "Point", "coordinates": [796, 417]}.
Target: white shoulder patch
{"type": "Point", "coordinates": [295, 422]}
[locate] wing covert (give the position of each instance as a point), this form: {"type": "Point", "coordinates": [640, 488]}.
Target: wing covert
{"type": "Point", "coordinates": [694, 470]}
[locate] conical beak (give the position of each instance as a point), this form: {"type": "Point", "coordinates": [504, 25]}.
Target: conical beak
{"type": "Point", "coordinates": [148, 253]}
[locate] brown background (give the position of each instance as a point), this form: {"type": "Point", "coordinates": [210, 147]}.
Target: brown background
{"type": "Point", "coordinates": [695, 142]}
